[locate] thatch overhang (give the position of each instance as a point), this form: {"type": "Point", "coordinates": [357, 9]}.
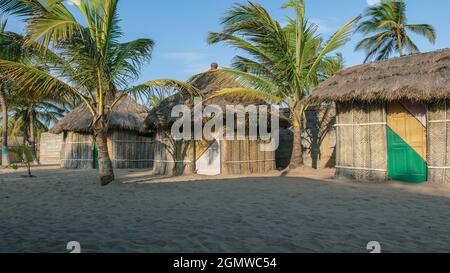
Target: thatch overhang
{"type": "Point", "coordinates": [160, 116]}
{"type": "Point", "coordinates": [419, 77]}
{"type": "Point", "coordinates": [128, 115]}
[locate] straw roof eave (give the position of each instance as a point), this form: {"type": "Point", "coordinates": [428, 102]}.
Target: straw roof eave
{"type": "Point", "coordinates": [127, 115]}
{"type": "Point", "coordinates": [160, 117]}
{"type": "Point", "coordinates": [420, 77]}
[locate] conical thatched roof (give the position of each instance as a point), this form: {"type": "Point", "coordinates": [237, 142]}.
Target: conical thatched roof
{"type": "Point", "coordinates": [160, 117]}
{"type": "Point", "coordinates": [127, 115]}
{"type": "Point", "coordinates": [418, 77]}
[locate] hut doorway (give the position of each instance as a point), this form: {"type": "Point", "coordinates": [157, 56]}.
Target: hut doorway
{"type": "Point", "coordinates": [208, 162]}
{"type": "Point", "coordinates": [407, 142]}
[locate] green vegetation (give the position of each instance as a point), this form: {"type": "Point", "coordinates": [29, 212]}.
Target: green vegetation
{"type": "Point", "coordinates": [388, 24]}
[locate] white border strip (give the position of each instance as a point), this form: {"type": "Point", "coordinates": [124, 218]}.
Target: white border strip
{"type": "Point", "coordinates": [360, 168]}
{"type": "Point", "coordinates": [438, 121]}
{"type": "Point", "coordinates": [438, 168]}
{"type": "Point", "coordinates": [360, 124]}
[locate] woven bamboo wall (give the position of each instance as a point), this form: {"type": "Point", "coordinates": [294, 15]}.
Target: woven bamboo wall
{"type": "Point", "coordinates": [76, 152]}
{"type": "Point", "coordinates": [241, 157]}
{"type": "Point", "coordinates": [50, 146]}
{"type": "Point", "coordinates": [361, 141]}
{"type": "Point", "coordinates": [438, 142]}
{"type": "Point", "coordinates": [128, 150]}
{"type": "Point", "coordinates": [164, 162]}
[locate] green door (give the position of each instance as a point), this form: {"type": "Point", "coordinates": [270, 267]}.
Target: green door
{"type": "Point", "coordinates": [95, 156]}
{"type": "Point", "coordinates": [405, 164]}
{"type": "Point", "coordinates": [407, 142]}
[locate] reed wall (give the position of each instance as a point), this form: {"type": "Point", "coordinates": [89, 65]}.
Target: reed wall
{"type": "Point", "coordinates": [77, 151]}
{"type": "Point", "coordinates": [128, 150]}
{"type": "Point", "coordinates": [438, 135]}
{"type": "Point", "coordinates": [361, 141]}
{"type": "Point", "coordinates": [243, 157]}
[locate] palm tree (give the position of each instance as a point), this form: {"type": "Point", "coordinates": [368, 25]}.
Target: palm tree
{"type": "Point", "coordinates": [9, 50]}
{"type": "Point", "coordinates": [85, 59]}
{"type": "Point", "coordinates": [388, 23]}
{"type": "Point", "coordinates": [284, 63]}
{"type": "Point", "coordinates": [30, 117]}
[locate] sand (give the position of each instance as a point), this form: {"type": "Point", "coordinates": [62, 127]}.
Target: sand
{"type": "Point", "coordinates": [306, 211]}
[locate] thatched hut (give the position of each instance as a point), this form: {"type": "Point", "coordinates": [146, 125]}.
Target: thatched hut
{"type": "Point", "coordinates": [208, 158]}
{"type": "Point", "coordinates": [393, 118]}
{"type": "Point", "coordinates": [129, 145]}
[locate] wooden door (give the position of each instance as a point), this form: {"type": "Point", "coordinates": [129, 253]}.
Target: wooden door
{"type": "Point", "coordinates": [407, 143]}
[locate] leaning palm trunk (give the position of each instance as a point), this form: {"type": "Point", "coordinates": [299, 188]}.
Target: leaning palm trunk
{"type": "Point", "coordinates": [105, 169]}
{"type": "Point", "coordinates": [5, 152]}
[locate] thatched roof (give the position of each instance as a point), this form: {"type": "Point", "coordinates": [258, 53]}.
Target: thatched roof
{"type": "Point", "coordinates": [160, 117]}
{"type": "Point", "coordinates": [127, 115]}
{"type": "Point", "coordinates": [418, 77]}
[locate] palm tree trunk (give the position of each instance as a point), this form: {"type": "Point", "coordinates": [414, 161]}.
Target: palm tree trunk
{"type": "Point", "coordinates": [399, 44]}
{"type": "Point", "coordinates": [5, 151]}
{"type": "Point", "coordinates": [297, 148]}
{"type": "Point", "coordinates": [32, 135]}
{"type": "Point", "coordinates": [105, 169]}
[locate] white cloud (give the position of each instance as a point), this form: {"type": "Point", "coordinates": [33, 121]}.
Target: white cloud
{"type": "Point", "coordinates": [373, 2]}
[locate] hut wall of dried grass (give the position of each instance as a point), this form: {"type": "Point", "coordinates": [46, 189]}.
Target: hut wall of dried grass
{"type": "Point", "coordinates": [438, 135]}
{"type": "Point", "coordinates": [169, 154]}
{"type": "Point", "coordinates": [361, 152]}
{"type": "Point", "coordinates": [243, 157]}
{"type": "Point", "coordinates": [129, 150]}
{"type": "Point", "coordinates": [77, 151]}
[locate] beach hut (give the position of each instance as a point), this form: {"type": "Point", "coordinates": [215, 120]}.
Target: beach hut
{"type": "Point", "coordinates": [392, 118]}
{"type": "Point", "coordinates": [237, 157]}
{"type": "Point", "coordinates": [129, 145]}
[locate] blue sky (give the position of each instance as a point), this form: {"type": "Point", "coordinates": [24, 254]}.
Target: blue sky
{"type": "Point", "coordinates": [180, 27]}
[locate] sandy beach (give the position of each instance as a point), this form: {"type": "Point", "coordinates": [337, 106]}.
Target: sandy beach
{"type": "Point", "coordinates": [306, 211]}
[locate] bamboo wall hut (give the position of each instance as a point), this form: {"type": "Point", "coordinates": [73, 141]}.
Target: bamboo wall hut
{"type": "Point", "coordinates": [392, 118]}
{"type": "Point", "coordinates": [208, 158]}
{"type": "Point", "coordinates": [129, 145]}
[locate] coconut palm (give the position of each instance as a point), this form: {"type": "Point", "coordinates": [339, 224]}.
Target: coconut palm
{"type": "Point", "coordinates": [281, 65]}
{"type": "Point", "coordinates": [9, 50]}
{"type": "Point", "coordinates": [30, 118]}
{"type": "Point", "coordinates": [85, 59]}
{"type": "Point", "coordinates": [388, 25]}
